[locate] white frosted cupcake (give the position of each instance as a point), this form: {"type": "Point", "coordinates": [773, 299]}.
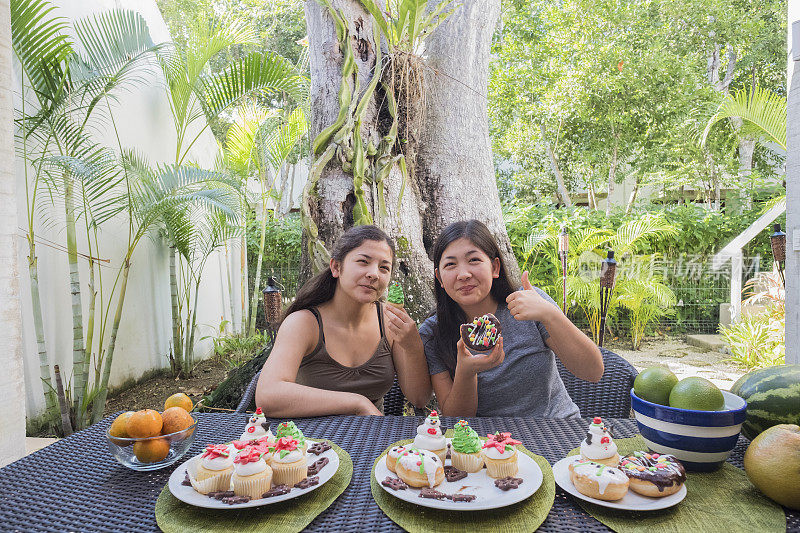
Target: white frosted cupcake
{"type": "Point", "coordinates": [252, 476]}
{"type": "Point", "coordinates": [429, 436]}
{"type": "Point", "coordinates": [289, 463]}
{"type": "Point", "coordinates": [500, 455]}
{"type": "Point", "coordinates": [598, 446]}
{"type": "Point", "coordinates": [257, 427]}
{"type": "Point", "coordinates": [211, 470]}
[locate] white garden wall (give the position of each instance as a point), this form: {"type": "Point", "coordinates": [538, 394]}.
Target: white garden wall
{"type": "Point", "coordinates": [144, 123]}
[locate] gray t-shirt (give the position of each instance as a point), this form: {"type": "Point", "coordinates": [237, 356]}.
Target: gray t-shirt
{"type": "Point", "coordinates": [526, 383]}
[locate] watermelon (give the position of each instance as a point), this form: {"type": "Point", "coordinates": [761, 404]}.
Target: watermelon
{"type": "Point", "coordinates": [773, 397]}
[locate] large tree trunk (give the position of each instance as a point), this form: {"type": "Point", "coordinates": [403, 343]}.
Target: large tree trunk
{"type": "Point", "coordinates": [331, 205]}
{"type": "Point", "coordinates": [454, 166]}
{"type": "Point", "coordinates": [452, 177]}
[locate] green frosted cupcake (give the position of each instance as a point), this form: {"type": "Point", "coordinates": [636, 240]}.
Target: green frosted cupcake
{"type": "Point", "coordinates": [288, 429]}
{"type": "Point", "coordinates": [396, 296]}
{"type": "Point", "coordinates": [466, 452]}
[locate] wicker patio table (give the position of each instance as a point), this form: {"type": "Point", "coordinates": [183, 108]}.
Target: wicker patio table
{"type": "Point", "coordinates": [76, 485]}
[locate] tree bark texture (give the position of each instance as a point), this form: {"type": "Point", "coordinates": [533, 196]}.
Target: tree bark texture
{"type": "Point", "coordinates": [453, 176]}
{"type": "Point", "coordinates": [454, 164]}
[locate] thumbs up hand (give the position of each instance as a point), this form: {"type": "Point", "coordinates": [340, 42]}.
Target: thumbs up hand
{"type": "Point", "coordinates": [527, 304]}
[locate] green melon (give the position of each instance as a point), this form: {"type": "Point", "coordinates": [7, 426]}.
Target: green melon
{"type": "Point", "coordinates": [773, 397]}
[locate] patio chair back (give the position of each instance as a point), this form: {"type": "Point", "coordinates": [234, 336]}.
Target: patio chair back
{"type": "Point", "coordinates": [392, 402]}
{"type": "Point", "coordinates": [610, 397]}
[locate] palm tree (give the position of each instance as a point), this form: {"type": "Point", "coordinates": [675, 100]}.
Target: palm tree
{"type": "Point", "coordinates": [260, 142]}
{"type": "Point", "coordinates": [197, 95]}
{"type": "Point", "coordinates": [70, 89]}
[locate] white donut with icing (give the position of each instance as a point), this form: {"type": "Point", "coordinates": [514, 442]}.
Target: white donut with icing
{"type": "Point", "coordinates": [598, 443]}
{"type": "Point", "coordinates": [429, 434]}
{"type": "Point", "coordinates": [598, 481]}
{"type": "Point", "coordinates": [422, 461]}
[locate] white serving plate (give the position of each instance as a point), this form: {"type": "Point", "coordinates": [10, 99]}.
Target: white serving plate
{"type": "Point", "coordinates": [188, 495]}
{"type": "Point", "coordinates": [479, 484]}
{"type": "Point", "coordinates": [630, 502]}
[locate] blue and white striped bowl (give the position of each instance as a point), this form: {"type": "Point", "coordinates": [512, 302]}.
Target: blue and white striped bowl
{"type": "Point", "coordinates": [701, 440]}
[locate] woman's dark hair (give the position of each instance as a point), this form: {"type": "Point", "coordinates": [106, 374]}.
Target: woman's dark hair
{"type": "Point", "coordinates": [321, 287]}
{"type": "Point", "coordinates": [449, 315]}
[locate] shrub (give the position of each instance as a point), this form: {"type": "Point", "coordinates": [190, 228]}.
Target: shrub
{"type": "Point", "coordinates": [759, 340]}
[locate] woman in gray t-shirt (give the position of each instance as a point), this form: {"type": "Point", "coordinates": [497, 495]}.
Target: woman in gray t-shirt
{"type": "Point", "coordinates": [519, 376]}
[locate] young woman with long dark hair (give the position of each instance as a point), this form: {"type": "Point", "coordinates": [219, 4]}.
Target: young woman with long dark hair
{"type": "Point", "coordinates": [519, 376]}
{"type": "Point", "coordinates": [338, 348]}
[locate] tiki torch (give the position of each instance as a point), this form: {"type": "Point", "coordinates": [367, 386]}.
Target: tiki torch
{"type": "Point", "coordinates": [273, 305]}
{"type": "Point", "coordinates": [778, 242]}
{"type": "Point", "coordinates": [608, 274]}
{"type": "Point", "coordinates": [563, 251]}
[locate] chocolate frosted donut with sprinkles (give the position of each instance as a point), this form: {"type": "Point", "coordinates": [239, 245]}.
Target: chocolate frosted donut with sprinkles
{"type": "Point", "coordinates": [652, 474]}
{"type": "Point", "coordinates": [482, 333]}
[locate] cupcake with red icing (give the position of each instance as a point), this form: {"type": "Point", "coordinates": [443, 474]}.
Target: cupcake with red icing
{"type": "Point", "coordinates": [252, 476]}
{"type": "Point", "coordinates": [289, 462]}
{"type": "Point", "coordinates": [500, 455]}
{"type": "Point", "coordinates": [211, 470]}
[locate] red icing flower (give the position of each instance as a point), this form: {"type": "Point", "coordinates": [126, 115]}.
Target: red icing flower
{"type": "Point", "coordinates": [251, 429]}
{"type": "Point", "coordinates": [432, 431]}
{"type": "Point", "coordinates": [239, 444]}
{"type": "Point", "coordinates": [216, 450]}
{"type": "Point", "coordinates": [499, 441]}
{"type": "Point", "coordinates": [250, 454]}
{"type": "Point", "coordinates": [286, 443]}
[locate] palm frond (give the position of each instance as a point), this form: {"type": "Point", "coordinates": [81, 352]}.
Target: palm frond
{"type": "Point", "coordinates": [116, 47]}
{"type": "Point", "coordinates": [279, 143]}
{"type": "Point", "coordinates": [262, 73]}
{"type": "Point", "coordinates": [762, 108]}
{"type": "Point", "coordinates": [39, 40]}
{"type": "Point", "coordinates": [634, 233]}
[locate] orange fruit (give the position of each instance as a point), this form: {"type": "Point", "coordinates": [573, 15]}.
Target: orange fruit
{"type": "Point", "coordinates": [119, 428]}
{"type": "Point", "coordinates": [175, 419]}
{"type": "Point", "coordinates": [151, 450]}
{"type": "Point", "coordinates": [179, 399]}
{"type": "Point", "coordinates": [144, 423]}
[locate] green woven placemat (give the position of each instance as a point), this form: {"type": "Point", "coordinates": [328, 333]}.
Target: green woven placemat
{"type": "Point", "coordinates": [715, 501]}
{"type": "Point", "coordinates": [524, 516]}
{"type": "Point", "coordinates": [290, 516]}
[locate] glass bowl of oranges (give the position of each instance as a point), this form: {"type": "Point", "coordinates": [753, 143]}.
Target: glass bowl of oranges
{"type": "Point", "coordinates": [148, 440]}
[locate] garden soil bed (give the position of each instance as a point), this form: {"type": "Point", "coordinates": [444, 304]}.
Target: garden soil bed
{"type": "Point", "coordinates": [151, 393]}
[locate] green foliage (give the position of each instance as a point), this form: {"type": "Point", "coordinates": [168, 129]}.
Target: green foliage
{"type": "Point", "coordinates": [281, 242]}
{"type": "Point", "coordinates": [625, 79]}
{"type": "Point", "coordinates": [406, 23]}
{"type": "Point", "coordinates": [759, 340]}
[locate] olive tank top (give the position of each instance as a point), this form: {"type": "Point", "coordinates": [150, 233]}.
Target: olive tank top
{"type": "Point", "coordinates": [372, 379]}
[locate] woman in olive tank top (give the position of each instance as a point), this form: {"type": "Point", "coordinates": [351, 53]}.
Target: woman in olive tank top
{"type": "Point", "coordinates": [338, 348]}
